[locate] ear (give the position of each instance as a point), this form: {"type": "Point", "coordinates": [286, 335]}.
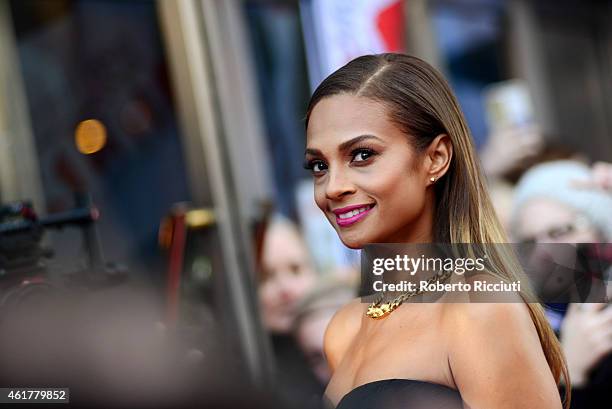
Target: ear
{"type": "Point", "coordinates": [439, 154]}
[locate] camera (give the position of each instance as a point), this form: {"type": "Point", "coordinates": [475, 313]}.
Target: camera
{"type": "Point", "coordinates": [25, 275]}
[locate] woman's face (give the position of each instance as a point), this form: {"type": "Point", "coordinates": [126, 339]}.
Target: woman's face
{"type": "Point", "coordinates": [369, 181]}
{"type": "Point", "coordinates": [288, 275]}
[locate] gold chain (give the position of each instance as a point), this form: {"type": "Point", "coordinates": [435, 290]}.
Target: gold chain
{"type": "Point", "coordinates": [378, 309]}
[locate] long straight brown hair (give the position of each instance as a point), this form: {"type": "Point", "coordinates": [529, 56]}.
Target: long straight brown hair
{"type": "Point", "coordinates": [420, 102]}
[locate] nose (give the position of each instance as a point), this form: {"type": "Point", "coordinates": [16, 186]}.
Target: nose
{"type": "Point", "coordinates": [288, 290]}
{"type": "Point", "coordinates": [338, 185]}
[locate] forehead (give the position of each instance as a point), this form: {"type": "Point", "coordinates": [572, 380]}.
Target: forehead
{"type": "Point", "coordinates": [339, 117]}
{"type": "Point", "coordinates": [283, 244]}
{"type": "Point", "coordinates": [542, 213]}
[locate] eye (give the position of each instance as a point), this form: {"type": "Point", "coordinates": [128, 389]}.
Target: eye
{"type": "Point", "coordinates": [362, 154]}
{"type": "Point", "coordinates": [315, 166]}
{"type": "Point", "coordinates": [295, 269]}
{"type": "Point", "coordinates": [561, 231]}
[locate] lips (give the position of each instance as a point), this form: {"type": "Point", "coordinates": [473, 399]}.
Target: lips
{"type": "Point", "coordinates": [349, 215]}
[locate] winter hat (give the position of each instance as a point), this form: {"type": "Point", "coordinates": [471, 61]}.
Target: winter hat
{"type": "Point", "coordinates": [555, 180]}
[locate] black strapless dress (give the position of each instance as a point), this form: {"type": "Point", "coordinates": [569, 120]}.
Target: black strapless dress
{"type": "Point", "coordinates": [401, 394]}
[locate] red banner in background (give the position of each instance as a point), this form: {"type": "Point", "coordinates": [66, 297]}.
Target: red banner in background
{"type": "Point", "coordinates": [390, 23]}
{"type": "Point", "coordinates": [336, 31]}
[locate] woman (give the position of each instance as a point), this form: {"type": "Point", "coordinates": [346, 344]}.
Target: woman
{"type": "Point", "coordinates": [393, 162]}
{"type": "Point", "coordinates": [286, 276]}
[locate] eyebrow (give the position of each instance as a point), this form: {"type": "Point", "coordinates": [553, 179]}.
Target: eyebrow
{"type": "Point", "coordinates": [345, 145]}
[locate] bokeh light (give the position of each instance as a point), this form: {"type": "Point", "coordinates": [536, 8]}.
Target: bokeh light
{"type": "Point", "coordinates": [90, 136]}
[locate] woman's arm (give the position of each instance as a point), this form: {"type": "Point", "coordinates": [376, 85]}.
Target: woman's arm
{"type": "Point", "coordinates": [496, 358]}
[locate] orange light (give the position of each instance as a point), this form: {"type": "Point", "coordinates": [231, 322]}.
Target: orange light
{"type": "Point", "coordinates": [90, 136]}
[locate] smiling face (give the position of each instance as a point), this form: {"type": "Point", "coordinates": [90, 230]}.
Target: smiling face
{"type": "Point", "coordinates": [369, 181]}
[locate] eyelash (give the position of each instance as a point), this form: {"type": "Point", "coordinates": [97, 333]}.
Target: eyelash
{"type": "Point", "coordinates": [309, 165]}
{"type": "Point", "coordinates": [363, 149]}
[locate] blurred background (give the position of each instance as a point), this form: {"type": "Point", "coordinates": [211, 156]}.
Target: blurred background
{"type": "Point", "coordinates": [158, 145]}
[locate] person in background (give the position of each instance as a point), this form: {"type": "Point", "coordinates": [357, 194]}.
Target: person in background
{"type": "Point", "coordinates": [315, 313]}
{"type": "Point", "coordinates": [507, 154]}
{"type": "Point", "coordinates": [568, 202]}
{"type": "Point", "coordinates": [508, 150]}
{"type": "Point", "coordinates": [286, 275]}
{"type": "Point", "coordinates": [505, 151]}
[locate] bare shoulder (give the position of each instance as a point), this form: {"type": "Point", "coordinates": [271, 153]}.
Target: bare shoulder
{"type": "Point", "coordinates": [341, 331]}
{"type": "Point", "coordinates": [496, 357]}
{"type": "Point", "coordinates": [469, 318]}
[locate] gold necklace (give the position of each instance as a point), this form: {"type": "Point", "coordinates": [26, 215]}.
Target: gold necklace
{"type": "Point", "coordinates": [378, 309]}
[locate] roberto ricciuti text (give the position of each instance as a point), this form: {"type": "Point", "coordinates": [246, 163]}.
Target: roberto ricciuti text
{"type": "Point", "coordinates": [476, 285]}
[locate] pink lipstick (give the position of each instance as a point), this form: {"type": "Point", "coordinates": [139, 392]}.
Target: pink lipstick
{"type": "Point", "coordinates": [349, 215]}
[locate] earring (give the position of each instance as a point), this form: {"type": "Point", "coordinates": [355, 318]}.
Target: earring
{"type": "Point", "coordinates": [432, 179]}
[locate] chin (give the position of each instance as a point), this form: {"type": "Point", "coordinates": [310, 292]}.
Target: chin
{"type": "Point", "coordinates": [356, 237]}
{"type": "Point", "coordinates": [353, 242]}
{"type": "Point", "coordinates": [353, 245]}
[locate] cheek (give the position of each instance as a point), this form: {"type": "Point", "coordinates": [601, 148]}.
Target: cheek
{"type": "Point", "coordinates": [268, 294]}
{"type": "Point", "coordinates": [320, 198]}
{"type": "Point", "coordinates": [587, 236]}
{"type": "Point", "coordinates": [399, 193]}
{"type": "Point", "coordinates": [303, 281]}
{"type": "Point", "coordinates": [523, 222]}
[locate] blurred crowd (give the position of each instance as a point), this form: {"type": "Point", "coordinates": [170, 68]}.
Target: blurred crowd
{"type": "Point", "coordinates": [550, 194]}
